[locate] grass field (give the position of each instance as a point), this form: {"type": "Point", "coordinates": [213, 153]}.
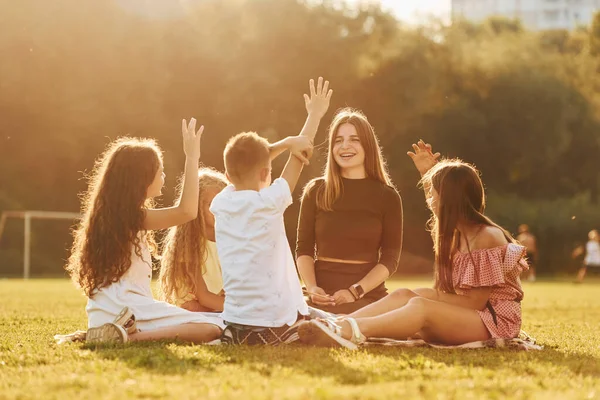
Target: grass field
{"type": "Point", "coordinates": [565, 318]}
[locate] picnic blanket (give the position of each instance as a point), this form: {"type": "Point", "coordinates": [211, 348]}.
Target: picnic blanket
{"type": "Point", "coordinates": [523, 342]}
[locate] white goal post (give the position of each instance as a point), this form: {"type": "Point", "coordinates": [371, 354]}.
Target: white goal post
{"type": "Point", "coordinates": [27, 217]}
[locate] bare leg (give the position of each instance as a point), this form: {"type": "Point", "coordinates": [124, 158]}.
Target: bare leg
{"type": "Point", "coordinates": [581, 274]}
{"type": "Point", "coordinates": [433, 320]}
{"type": "Point", "coordinates": [396, 299]}
{"type": "Point", "coordinates": [196, 333]}
{"type": "Point", "coordinates": [195, 306]}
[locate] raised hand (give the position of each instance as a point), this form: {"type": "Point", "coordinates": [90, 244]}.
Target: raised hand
{"type": "Point", "coordinates": [191, 138]}
{"type": "Point", "coordinates": [318, 101]}
{"type": "Point", "coordinates": [301, 147]}
{"type": "Point", "coordinates": [423, 157]}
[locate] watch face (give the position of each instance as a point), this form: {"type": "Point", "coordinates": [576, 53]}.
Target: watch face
{"type": "Point", "coordinates": [359, 290]}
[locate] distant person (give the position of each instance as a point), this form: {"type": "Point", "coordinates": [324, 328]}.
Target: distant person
{"type": "Point", "coordinates": [592, 255]}
{"type": "Point", "coordinates": [527, 239]}
{"type": "Point", "coordinates": [111, 256]}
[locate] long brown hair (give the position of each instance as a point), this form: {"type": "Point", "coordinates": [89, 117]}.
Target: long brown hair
{"type": "Point", "coordinates": [184, 253]}
{"type": "Point", "coordinates": [113, 210]}
{"type": "Point", "coordinates": [461, 199]}
{"type": "Point", "coordinates": [375, 166]}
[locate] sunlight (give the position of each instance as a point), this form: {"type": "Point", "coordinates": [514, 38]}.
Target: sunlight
{"type": "Point", "coordinates": [158, 9]}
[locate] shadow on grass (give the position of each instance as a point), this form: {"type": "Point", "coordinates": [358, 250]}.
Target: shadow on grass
{"type": "Point", "coordinates": [174, 358]}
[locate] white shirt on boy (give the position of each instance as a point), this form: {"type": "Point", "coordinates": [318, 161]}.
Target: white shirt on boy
{"type": "Point", "coordinates": [259, 275]}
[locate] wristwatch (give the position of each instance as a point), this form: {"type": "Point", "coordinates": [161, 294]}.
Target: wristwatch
{"type": "Point", "coordinates": [357, 291]}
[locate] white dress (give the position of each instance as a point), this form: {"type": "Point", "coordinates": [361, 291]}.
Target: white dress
{"type": "Point", "coordinates": [133, 290]}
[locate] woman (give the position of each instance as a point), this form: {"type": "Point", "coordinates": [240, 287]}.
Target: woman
{"type": "Point", "coordinates": [350, 227]}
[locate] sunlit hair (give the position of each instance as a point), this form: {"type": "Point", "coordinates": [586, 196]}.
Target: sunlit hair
{"type": "Point", "coordinates": [593, 235]}
{"type": "Point", "coordinates": [461, 199]}
{"type": "Point", "coordinates": [244, 153]}
{"type": "Point", "coordinates": [113, 210]}
{"type": "Point", "coordinates": [375, 166]}
{"type": "Point", "coordinates": [184, 256]}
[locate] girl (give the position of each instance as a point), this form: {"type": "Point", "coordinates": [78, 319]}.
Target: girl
{"type": "Point", "coordinates": [592, 255]}
{"type": "Point", "coordinates": [111, 259]}
{"type": "Point", "coordinates": [350, 228]}
{"type": "Point", "coordinates": [190, 274]}
{"type": "Point", "coordinates": [477, 290]}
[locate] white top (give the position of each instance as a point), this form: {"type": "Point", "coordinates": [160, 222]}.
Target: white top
{"type": "Point", "coordinates": [133, 290]}
{"type": "Point", "coordinates": [259, 275]}
{"type": "Point", "coordinates": [592, 253]}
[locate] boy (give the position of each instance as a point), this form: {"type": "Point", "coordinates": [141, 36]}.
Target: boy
{"type": "Point", "coordinates": [263, 294]}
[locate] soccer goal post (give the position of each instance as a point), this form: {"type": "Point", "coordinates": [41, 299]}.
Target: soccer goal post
{"type": "Point", "coordinates": [27, 217]}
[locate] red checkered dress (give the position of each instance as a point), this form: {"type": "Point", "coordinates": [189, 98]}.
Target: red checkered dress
{"type": "Point", "coordinates": [499, 268]}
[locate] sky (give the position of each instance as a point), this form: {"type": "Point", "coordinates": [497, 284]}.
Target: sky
{"type": "Point", "coordinates": [406, 10]}
{"type": "Point", "coordinates": [411, 10]}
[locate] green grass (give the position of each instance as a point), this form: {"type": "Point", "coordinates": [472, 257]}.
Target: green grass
{"type": "Point", "coordinates": [565, 318]}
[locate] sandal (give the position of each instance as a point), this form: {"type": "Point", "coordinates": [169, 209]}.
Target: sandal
{"type": "Point", "coordinates": [328, 333]}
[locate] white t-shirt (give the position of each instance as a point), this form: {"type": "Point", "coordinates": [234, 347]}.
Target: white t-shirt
{"type": "Point", "coordinates": [259, 276]}
{"type": "Point", "coordinates": [592, 253]}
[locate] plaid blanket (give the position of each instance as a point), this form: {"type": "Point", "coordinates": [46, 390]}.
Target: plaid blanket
{"type": "Point", "coordinates": [523, 342]}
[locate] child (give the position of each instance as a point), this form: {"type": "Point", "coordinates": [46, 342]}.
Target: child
{"type": "Point", "coordinates": [477, 291]}
{"type": "Point", "coordinates": [527, 239]}
{"type": "Point", "coordinates": [190, 274]}
{"type": "Point", "coordinates": [592, 255]}
{"type": "Point", "coordinates": [111, 259]}
{"type": "Point", "coordinates": [263, 294]}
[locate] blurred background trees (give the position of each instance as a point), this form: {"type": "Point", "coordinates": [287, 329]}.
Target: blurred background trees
{"type": "Point", "coordinates": [523, 106]}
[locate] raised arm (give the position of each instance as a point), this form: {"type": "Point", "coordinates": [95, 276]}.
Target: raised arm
{"type": "Point", "coordinates": [187, 209]}
{"type": "Point", "coordinates": [297, 145]}
{"type": "Point", "coordinates": [317, 105]}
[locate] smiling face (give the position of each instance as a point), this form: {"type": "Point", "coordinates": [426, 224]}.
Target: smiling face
{"type": "Point", "coordinates": [347, 150]}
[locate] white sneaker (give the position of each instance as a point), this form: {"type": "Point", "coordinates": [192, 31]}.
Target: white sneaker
{"type": "Point", "coordinates": [106, 333]}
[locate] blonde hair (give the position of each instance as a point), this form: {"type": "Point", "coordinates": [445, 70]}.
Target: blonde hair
{"type": "Point", "coordinates": [113, 211]}
{"type": "Point", "coordinates": [375, 166]}
{"type": "Point", "coordinates": [244, 153]}
{"type": "Point", "coordinates": [184, 253]}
